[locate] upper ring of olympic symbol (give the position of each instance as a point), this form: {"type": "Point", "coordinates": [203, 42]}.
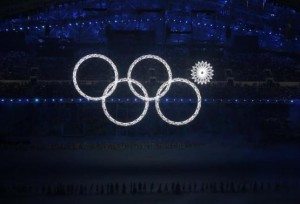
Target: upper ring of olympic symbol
{"type": "Point", "coordinates": [162, 91]}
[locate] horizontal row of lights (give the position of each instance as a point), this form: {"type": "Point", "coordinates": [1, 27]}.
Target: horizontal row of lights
{"type": "Point", "coordinates": [136, 100]}
{"type": "Point", "coordinates": [237, 28]}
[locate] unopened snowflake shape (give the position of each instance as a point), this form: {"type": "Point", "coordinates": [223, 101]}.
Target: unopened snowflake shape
{"type": "Point", "coordinates": [202, 72]}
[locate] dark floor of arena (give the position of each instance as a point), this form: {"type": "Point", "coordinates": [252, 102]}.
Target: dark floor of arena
{"type": "Point", "coordinates": [215, 173]}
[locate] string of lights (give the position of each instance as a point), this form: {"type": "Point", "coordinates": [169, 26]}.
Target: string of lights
{"type": "Point", "coordinates": [195, 23]}
{"type": "Point", "coordinates": [37, 100]}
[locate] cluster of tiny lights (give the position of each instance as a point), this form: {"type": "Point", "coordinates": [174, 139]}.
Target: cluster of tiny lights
{"type": "Point", "coordinates": [295, 101]}
{"type": "Point", "coordinates": [164, 88]}
{"type": "Point", "coordinates": [202, 72]}
{"type": "Point", "coordinates": [238, 27]}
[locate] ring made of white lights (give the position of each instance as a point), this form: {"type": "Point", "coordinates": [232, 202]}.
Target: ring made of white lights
{"type": "Point", "coordinates": [134, 63]}
{"type": "Point", "coordinates": [164, 88]}
{"type": "Point", "coordinates": [114, 67]}
{"type": "Point", "coordinates": [184, 122]}
{"type": "Point", "coordinates": [107, 89]}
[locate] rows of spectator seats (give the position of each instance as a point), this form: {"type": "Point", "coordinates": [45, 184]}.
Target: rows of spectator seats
{"type": "Point", "coordinates": [65, 90]}
{"type": "Point", "coordinates": [250, 67]}
{"type": "Point", "coordinates": [17, 65]}
{"type": "Point", "coordinates": [14, 65]}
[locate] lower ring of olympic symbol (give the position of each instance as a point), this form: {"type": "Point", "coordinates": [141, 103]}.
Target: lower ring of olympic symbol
{"type": "Point", "coordinates": [125, 123]}
{"type": "Point", "coordinates": [197, 108]}
{"type": "Point", "coordinates": [163, 89]}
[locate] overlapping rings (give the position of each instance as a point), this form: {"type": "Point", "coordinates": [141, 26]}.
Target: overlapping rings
{"type": "Point", "coordinates": [164, 88]}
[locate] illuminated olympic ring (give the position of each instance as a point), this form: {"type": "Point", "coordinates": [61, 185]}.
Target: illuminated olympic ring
{"type": "Point", "coordinates": [167, 87]}
{"type": "Point", "coordinates": [115, 73]}
{"type": "Point", "coordinates": [184, 122]}
{"type": "Point", "coordinates": [164, 88]}
{"type": "Point", "coordinates": [125, 123]}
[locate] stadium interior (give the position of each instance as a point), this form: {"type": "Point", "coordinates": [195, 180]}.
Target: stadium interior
{"type": "Point", "coordinates": [57, 146]}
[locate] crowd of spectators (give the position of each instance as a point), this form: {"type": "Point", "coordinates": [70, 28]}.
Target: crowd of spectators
{"type": "Point", "coordinates": [258, 67]}
{"type": "Point", "coordinates": [212, 91]}
{"type": "Point", "coordinates": [240, 76]}
{"type": "Point", "coordinates": [15, 65]}
{"type": "Point", "coordinates": [24, 75]}
{"type": "Point", "coordinates": [235, 122]}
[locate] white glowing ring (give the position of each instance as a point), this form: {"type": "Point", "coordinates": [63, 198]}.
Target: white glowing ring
{"type": "Point", "coordinates": [168, 83]}
{"type": "Point", "coordinates": [114, 82]}
{"type": "Point", "coordinates": [184, 122]}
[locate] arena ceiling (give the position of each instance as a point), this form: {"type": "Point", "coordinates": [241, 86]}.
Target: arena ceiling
{"type": "Point", "coordinates": [12, 8]}
{"type": "Point", "coordinates": [274, 22]}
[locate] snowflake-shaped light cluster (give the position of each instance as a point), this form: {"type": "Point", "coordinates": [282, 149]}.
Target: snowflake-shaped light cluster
{"type": "Point", "coordinates": [202, 72]}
